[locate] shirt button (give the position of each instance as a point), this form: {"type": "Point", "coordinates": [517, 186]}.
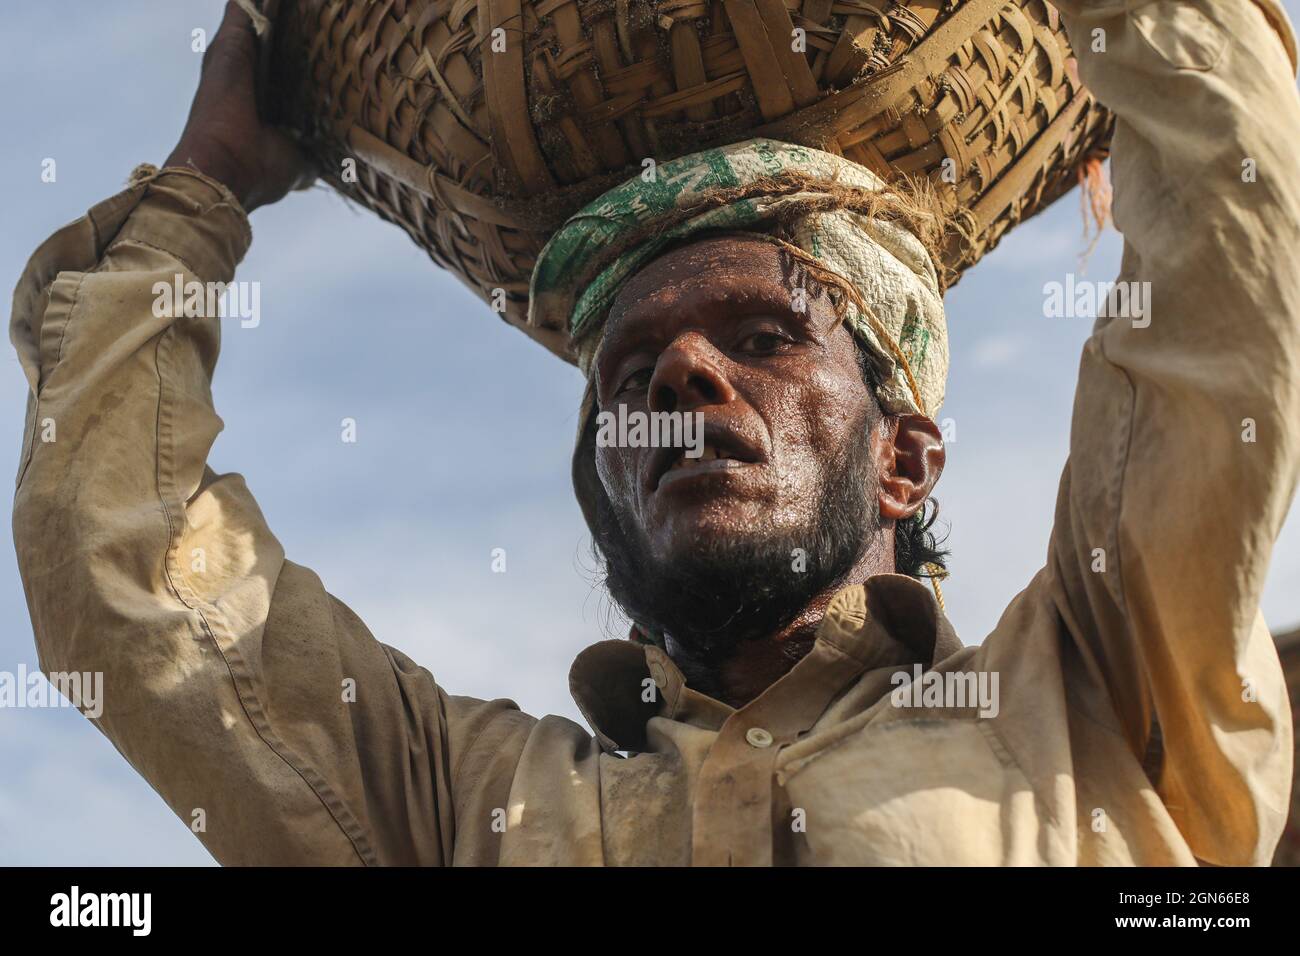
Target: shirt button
{"type": "Point", "coordinates": [758, 737]}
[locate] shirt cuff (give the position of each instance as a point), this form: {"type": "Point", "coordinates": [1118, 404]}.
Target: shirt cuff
{"type": "Point", "coordinates": [188, 215]}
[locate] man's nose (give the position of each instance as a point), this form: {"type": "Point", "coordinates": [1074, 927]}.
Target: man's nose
{"type": "Point", "coordinates": [688, 375]}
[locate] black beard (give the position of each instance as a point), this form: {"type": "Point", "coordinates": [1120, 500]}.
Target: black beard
{"type": "Point", "coordinates": [726, 592]}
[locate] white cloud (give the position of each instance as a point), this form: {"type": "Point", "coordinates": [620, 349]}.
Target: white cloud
{"type": "Point", "coordinates": [995, 351]}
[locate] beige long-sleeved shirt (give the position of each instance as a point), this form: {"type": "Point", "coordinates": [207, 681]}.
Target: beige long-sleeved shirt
{"type": "Point", "coordinates": [1140, 715]}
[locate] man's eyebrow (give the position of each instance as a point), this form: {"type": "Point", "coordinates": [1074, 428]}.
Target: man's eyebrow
{"type": "Point", "coordinates": [635, 326]}
{"type": "Point", "coordinates": [721, 294]}
{"type": "Point", "coordinates": [624, 332]}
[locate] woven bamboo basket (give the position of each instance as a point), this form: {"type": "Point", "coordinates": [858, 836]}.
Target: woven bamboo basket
{"type": "Point", "coordinates": [479, 125]}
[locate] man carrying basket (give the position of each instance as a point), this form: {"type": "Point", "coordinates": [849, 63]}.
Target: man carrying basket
{"type": "Point", "coordinates": [793, 693]}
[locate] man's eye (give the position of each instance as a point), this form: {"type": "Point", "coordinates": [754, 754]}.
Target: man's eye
{"type": "Point", "coordinates": [761, 342]}
{"type": "Point", "coordinates": [638, 381]}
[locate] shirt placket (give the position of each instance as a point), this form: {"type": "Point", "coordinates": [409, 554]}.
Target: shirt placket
{"type": "Point", "coordinates": [732, 817]}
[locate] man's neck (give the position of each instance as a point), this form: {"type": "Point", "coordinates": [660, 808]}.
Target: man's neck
{"type": "Point", "coordinates": [754, 666]}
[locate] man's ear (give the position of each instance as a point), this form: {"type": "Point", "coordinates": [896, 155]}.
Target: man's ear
{"type": "Point", "coordinates": [910, 453]}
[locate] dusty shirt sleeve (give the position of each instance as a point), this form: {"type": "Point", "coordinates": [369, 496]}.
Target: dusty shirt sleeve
{"type": "Point", "coordinates": [1185, 441]}
{"type": "Point", "coordinates": [256, 704]}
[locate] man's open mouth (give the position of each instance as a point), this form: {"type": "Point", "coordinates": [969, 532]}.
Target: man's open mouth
{"type": "Point", "coordinates": [723, 451]}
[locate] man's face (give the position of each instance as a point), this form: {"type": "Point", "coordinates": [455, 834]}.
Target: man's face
{"type": "Point", "coordinates": [714, 328]}
{"type": "Point", "coordinates": [801, 478]}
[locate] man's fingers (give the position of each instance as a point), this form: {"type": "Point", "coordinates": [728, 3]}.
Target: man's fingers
{"type": "Point", "coordinates": [285, 154]}
{"type": "Point", "coordinates": [225, 136]}
{"type": "Point", "coordinates": [237, 23]}
{"type": "Point", "coordinates": [235, 45]}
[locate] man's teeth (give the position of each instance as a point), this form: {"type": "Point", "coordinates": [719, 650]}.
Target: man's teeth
{"type": "Point", "coordinates": [710, 453]}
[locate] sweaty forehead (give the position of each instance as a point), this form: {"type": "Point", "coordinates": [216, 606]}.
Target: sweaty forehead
{"type": "Point", "coordinates": [717, 272]}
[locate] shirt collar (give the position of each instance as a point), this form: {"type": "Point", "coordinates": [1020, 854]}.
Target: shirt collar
{"type": "Point", "coordinates": [619, 685]}
{"type": "Point", "coordinates": [891, 620]}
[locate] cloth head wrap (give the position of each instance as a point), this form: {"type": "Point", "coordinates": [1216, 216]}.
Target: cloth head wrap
{"type": "Point", "coordinates": [901, 319]}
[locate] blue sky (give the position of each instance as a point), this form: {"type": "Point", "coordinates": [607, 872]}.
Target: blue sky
{"type": "Point", "coordinates": [464, 426]}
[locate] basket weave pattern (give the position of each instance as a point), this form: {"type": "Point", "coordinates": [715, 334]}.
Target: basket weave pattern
{"type": "Point", "coordinates": [478, 125]}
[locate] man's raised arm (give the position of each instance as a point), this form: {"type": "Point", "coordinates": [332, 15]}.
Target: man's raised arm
{"type": "Point", "coordinates": [1185, 438]}
{"type": "Point", "coordinates": [259, 706]}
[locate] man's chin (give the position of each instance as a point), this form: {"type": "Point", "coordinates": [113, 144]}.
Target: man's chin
{"type": "Point", "coordinates": [706, 533]}
{"type": "Point", "coordinates": [714, 592]}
